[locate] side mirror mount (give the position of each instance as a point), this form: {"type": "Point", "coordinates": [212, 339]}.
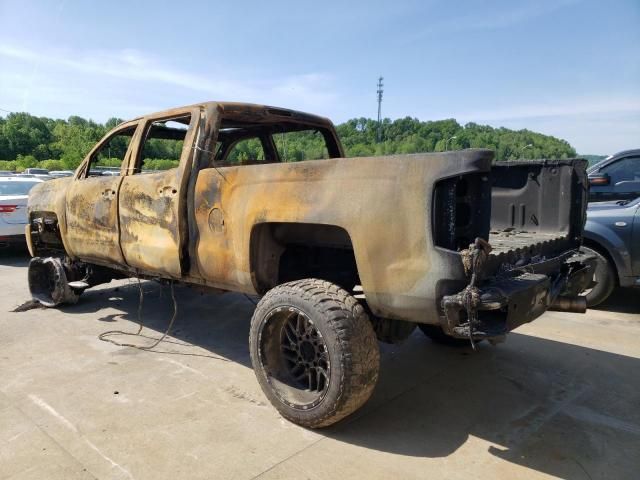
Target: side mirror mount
{"type": "Point", "coordinates": [599, 180]}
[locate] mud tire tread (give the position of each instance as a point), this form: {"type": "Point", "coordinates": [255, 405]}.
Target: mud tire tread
{"type": "Point", "coordinates": [357, 348]}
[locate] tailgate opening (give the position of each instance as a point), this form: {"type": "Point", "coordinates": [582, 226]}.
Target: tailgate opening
{"type": "Point", "coordinates": [537, 211]}
{"type": "Point", "coordinates": [527, 217]}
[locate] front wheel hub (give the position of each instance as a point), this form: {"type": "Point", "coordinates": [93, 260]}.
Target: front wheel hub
{"type": "Point", "coordinates": [48, 282]}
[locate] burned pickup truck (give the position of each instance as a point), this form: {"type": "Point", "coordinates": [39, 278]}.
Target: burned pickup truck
{"type": "Point", "coordinates": [342, 250]}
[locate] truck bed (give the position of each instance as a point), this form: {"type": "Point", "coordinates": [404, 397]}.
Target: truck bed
{"type": "Point", "coordinates": [512, 240]}
{"type": "Point", "coordinates": [536, 210]}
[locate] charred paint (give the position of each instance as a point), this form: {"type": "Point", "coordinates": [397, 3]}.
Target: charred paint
{"type": "Point", "coordinates": [195, 222]}
{"type": "Point", "coordinates": [92, 219]}
{"type": "Point", "coordinates": [149, 222]}
{"type": "Point", "coordinates": [367, 197]}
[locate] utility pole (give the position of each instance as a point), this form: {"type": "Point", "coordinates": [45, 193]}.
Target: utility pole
{"type": "Point", "coordinates": [379, 135]}
{"type": "Point", "coordinates": [446, 142]}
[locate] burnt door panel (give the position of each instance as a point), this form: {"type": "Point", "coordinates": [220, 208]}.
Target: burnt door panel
{"type": "Point", "coordinates": [92, 219]}
{"type": "Point", "coordinates": [149, 222]}
{"type": "Point", "coordinates": [153, 210]}
{"type": "Point", "coordinates": [92, 199]}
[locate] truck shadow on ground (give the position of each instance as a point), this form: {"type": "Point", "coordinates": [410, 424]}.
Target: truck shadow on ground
{"type": "Point", "coordinates": [553, 407]}
{"type": "Point", "coordinates": [14, 255]}
{"type": "Point", "coordinates": [557, 408]}
{"type": "Point", "coordinates": [218, 324]}
{"type": "Point", "coordinates": [622, 300]}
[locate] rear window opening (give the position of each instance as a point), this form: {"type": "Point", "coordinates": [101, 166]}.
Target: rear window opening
{"type": "Point", "coordinates": [271, 140]}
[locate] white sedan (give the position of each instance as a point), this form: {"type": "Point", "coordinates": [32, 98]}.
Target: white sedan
{"type": "Point", "coordinates": [14, 192]}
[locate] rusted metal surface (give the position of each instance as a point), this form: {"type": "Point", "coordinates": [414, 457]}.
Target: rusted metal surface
{"type": "Point", "coordinates": [92, 231]}
{"type": "Point", "coordinates": [367, 197]}
{"type": "Point", "coordinates": [569, 304]}
{"type": "Point", "coordinates": [149, 232]}
{"type": "Point", "coordinates": [152, 217]}
{"type": "Point", "coordinates": [49, 199]}
{"type": "Point", "coordinates": [201, 222]}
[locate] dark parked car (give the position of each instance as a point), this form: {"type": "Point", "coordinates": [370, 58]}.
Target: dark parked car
{"type": "Point", "coordinates": [616, 177]}
{"type": "Point", "coordinates": [612, 232]}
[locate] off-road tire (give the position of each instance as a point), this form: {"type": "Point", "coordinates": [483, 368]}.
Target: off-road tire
{"type": "Point", "coordinates": [350, 343]}
{"type": "Point", "coordinates": [605, 276]}
{"type": "Point", "coordinates": [437, 335]}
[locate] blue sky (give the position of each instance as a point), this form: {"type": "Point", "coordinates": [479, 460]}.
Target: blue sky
{"type": "Point", "coordinates": [569, 68]}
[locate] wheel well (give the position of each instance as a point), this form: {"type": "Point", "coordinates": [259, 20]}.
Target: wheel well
{"type": "Point", "coordinates": [283, 252]}
{"type": "Point", "coordinates": [45, 233]}
{"type": "Point", "coordinates": [593, 245]}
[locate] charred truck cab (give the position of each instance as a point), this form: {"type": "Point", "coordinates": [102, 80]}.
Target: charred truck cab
{"type": "Point", "coordinates": [343, 251]}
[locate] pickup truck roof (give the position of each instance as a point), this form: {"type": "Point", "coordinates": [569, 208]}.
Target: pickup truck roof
{"type": "Point", "coordinates": [251, 111]}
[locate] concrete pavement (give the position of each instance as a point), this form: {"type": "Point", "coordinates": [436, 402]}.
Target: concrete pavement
{"type": "Point", "coordinates": [559, 399]}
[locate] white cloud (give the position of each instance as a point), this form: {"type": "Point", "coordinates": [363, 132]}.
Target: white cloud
{"type": "Point", "coordinates": [598, 125]}
{"type": "Point", "coordinates": [593, 123]}
{"type": "Point", "coordinates": [504, 18]}
{"type": "Point", "coordinates": [56, 98]}
{"type": "Point", "coordinates": [128, 83]}
{"type": "Point", "coordinates": [575, 107]}
{"type": "Point", "coordinates": [490, 19]}
{"type": "Point", "coordinates": [301, 88]}
{"type": "Point", "coordinates": [601, 133]}
{"type": "Point", "coordinates": [125, 64]}
{"type": "Point", "coordinates": [310, 91]}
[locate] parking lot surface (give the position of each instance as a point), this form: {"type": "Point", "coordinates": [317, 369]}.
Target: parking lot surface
{"type": "Point", "coordinates": [559, 399]}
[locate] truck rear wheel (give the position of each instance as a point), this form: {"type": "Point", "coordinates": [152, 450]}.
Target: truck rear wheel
{"type": "Point", "coordinates": [313, 351]}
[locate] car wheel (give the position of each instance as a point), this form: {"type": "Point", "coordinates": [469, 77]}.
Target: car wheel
{"type": "Point", "coordinates": [314, 352]}
{"type": "Point", "coordinates": [605, 278]}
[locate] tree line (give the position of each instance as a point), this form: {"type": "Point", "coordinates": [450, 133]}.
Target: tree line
{"type": "Point", "coordinates": [29, 141]}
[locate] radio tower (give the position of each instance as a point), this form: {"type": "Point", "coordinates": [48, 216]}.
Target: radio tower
{"type": "Point", "coordinates": [379, 134]}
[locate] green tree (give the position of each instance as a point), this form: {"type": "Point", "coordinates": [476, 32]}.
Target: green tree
{"type": "Point", "coordinates": [25, 137]}
{"type": "Point", "coordinates": [51, 165]}
{"type": "Point", "coordinates": [22, 134]}
{"type": "Point", "coordinates": [26, 161]}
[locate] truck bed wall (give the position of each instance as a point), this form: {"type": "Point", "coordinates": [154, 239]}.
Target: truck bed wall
{"type": "Point", "coordinates": [383, 203]}
{"type": "Point", "coordinates": [544, 197]}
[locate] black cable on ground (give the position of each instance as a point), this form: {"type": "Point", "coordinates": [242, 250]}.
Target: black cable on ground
{"type": "Point", "coordinates": [104, 336]}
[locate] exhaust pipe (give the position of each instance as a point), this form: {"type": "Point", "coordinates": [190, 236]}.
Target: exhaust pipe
{"type": "Point", "coordinates": [569, 304]}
